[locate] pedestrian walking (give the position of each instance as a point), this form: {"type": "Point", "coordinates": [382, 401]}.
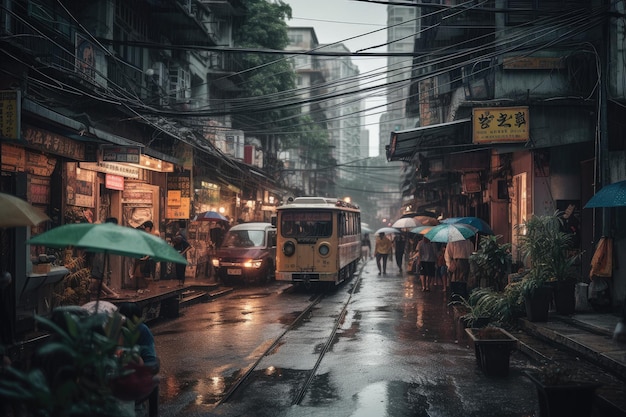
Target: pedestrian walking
{"type": "Point", "coordinates": [366, 247]}
{"type": "Point", "coordinates": [382, 251]}
{"type": "Point", "coordinates": [427, 252]}
{"type": "Point", "coordinates": [457, 259]}
{"type": "Point", "coordinates": [100, 281]}
{"type": "Point", "coordinates": [182, 246]}
{"type": "Point", "coordinates": [399, 245]}
{"type": "Point", "coordinates": [442, 269]}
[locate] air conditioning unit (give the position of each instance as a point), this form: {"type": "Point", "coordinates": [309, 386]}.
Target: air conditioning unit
{"type": "Point", "coordinates": [180, 84]}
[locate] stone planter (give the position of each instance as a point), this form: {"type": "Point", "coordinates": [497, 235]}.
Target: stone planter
{"type": "Point", "coordinates": [567, 399]}
{"type": "Point", "coordinates": [493, 347]}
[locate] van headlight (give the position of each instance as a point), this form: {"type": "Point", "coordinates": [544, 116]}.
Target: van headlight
{"type": "Point", "coordinates": [215, 262]}
{"type": "Point", "coordinates": [253, 263]}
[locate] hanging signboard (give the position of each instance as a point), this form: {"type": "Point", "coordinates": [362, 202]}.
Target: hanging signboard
{"type": "Point", "coordinates": [500, 124]}
{"type": "Point", "coordinates": [10, 111]}
{"type": "Point", "coordinates": [129, 154]}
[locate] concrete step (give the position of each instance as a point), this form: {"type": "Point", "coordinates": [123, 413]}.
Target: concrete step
{"type": "Point", "coordinates": [593, 353]}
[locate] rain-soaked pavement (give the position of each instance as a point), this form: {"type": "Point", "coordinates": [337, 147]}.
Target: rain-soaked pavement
{"type": "Point", "coordinates": [397, 353]}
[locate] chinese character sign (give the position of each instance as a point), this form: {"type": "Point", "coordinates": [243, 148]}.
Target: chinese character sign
{"type": "Point", "coordinates": [10, 105]}
{"type": "Point", "coordinates": [500, 124]}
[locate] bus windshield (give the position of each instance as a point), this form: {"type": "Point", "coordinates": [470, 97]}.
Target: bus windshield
{"type": "Point", "coordinates": [306, 224]}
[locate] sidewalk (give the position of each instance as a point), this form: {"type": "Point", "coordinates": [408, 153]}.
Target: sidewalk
{"type": "Point", "coordinates": [585, 342]}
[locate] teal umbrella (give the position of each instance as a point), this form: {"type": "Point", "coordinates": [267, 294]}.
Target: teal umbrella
{"type": "Point", "coordinates": [612, 195]}
{"type": "Point", "coordinates": [109, 238]}
{"type": "Point", "coordinates": [482, 226]}
{"type": "Point", "coordinates": [450, 232]}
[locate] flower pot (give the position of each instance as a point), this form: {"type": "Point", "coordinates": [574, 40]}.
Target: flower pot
{"type": "Point", "coordinates": [538, 304]}
{"type": "Point", "coordinates": [492, 347]}
{"type": "Point", "coordinates": [565, 297]}
{"type": "Point", "coordinates": [458, 289]}
{"type": "Point", "coordinates": [568, 399]}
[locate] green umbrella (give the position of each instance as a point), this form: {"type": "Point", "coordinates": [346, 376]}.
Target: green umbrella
{"type": "Point", "coordinates": [109, 238]}
{"type": "Point", "coordinates": [450, 232]}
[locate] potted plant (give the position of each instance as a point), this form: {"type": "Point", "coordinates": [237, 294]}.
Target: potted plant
{"type": "Point", "coordinates": [563, 391]}
{"type": "Point", "coordinates": [79, 369]}
{"type": "Point", "coordinates": [492, 347]}
{"type": "Point", "coordinates": [491, 262]}
{"type": "Point", "coordinates": [546, 249]}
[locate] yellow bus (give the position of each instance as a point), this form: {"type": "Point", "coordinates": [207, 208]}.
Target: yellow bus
{"type": "Point", "coordinates": [318, 240]}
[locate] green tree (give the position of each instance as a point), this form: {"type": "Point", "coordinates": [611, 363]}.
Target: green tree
{"type": "Point", "coordinates": [272, 78]}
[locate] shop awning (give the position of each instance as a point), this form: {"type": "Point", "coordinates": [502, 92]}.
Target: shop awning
{"type": "Point", "coordinates": [404, 144]}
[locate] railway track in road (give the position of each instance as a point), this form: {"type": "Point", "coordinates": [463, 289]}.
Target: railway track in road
{"type": "Point", "coordinates": [239, 386]}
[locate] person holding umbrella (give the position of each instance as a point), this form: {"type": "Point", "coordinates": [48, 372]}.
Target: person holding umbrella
{"type": "Point", "coordinates": [457, 259]}
{"type": "Point", "coordinates": [427, 252]}
{"type": "Point", "coordinates": [382, 251]}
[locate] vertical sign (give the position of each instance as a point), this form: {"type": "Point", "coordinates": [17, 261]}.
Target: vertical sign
{"type": "Point", "coordinates": [10, 111]}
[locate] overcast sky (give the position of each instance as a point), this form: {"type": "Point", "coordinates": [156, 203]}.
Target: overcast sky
{"type": "Point", "coordinates": [341, 21]}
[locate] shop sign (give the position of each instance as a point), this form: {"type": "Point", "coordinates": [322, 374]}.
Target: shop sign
{"type": "Point", "coordinates": [10, 111]}
{"type": "Point", "coordinates": [173, 198]}
{"type": "Point", "coordinates": [180, 181]}
{"type": "Point", "coordinates": [53, 143]}
{"type": "Point", "coordinates": [268, 208]}
{"type": "Point", "coordinates": [129, 154]}
{"type": "Point", "coordinates": [122, 170]}
{"type": "Point", "coordinates": [500, 124]}
{"type": "Point", "coordinates": [80, 186]}
{"type": "Point", "coordinates": [114, 182]}
{"type": "Point", "coordinates": [178, 212]}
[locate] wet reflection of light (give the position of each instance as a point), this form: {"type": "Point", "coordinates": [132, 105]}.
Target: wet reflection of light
{"type": "Point", "coordinates": [270, 370]}
{"type": "Point", "coordinates": [372, 401]}
{"type": "Point", "coordinates": [420, 315]}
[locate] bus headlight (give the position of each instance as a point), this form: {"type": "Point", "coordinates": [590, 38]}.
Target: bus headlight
{"type": "Point", "coordinates": [215, 262]}
{"type": "Point", "coordinates": [254, 263]}
{"type": "Point", "coordinates": [289, 248]}
{"type": "Point", "coordinates": [324, 249]}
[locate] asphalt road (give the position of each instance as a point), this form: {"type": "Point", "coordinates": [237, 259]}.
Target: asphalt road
{"type": "Point", "coordinates": [398, 352]}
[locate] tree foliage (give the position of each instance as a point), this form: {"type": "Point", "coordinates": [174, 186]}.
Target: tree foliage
{"type": "Point", "coordinates": [267, 75]}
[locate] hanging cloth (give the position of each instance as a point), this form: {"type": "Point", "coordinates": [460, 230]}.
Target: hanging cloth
{"type": "Point", "coordinates": [602, 261]}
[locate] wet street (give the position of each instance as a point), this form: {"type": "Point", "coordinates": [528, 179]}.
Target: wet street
{"type": "Point", "coordinates": [397, 352]}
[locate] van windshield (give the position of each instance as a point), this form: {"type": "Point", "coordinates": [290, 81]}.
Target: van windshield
{"type": "Point", "coordinates": [244, 238]}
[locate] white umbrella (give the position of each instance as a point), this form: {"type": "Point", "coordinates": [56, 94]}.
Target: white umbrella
{"type": "Point", "coordinates": [386, 230]}
{"type": "Point", "coordinates": [405, 223]}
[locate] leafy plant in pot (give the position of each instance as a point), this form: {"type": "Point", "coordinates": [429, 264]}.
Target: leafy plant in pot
{"type": "Point", "coordinates": [491, 262]}
{"type": "Point", "coordinates": [546, 248]}
{"type": "Point", "coordinates": [78, 369]}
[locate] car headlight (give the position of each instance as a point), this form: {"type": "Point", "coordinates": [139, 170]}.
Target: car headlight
{"type": "Point", "coordinates": [254, 263]}
{"type": "Point", "coordinates": [324, 249]}
{"type": "Point", "coordinates": [215, 262]}
{"type": "Point", "coordinates": [289, 248]}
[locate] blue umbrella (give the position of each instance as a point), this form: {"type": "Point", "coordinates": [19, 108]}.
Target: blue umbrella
{"type": "Point", "coordinates": [481, 225]}
{"type": "Point", "coordinates": [612, 195]}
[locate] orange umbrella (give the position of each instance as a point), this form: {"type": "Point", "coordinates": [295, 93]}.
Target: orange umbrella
{"type": "Point", "coordinates": [426, 221]}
